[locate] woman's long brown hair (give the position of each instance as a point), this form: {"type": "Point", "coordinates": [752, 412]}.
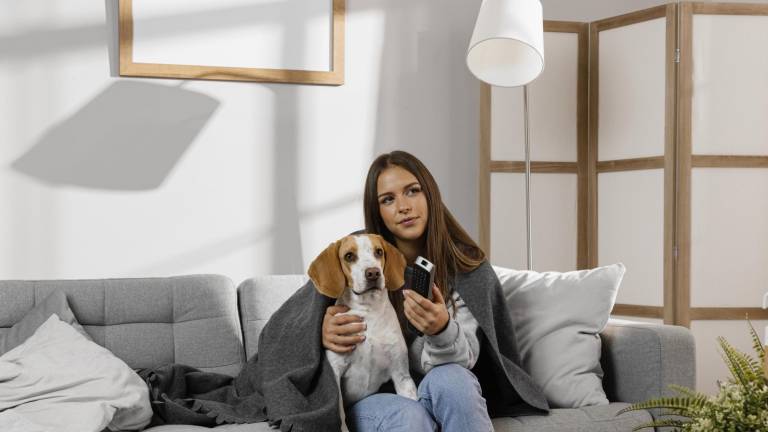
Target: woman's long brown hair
{"type": "Point", "coordinates": [446, 243]}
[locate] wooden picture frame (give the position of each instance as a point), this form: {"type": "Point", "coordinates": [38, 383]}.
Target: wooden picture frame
{"type": "Point", "coordinates": [333, 76]}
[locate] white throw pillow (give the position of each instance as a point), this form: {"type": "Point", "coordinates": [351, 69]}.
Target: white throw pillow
{"type": "Point", "coordinates": [557, 319]}
{"type": "Point", "coordinates": [59, 380]}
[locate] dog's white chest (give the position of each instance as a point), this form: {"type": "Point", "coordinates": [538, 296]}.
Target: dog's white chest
{"type": "Point", "coordinates": [381, 357]}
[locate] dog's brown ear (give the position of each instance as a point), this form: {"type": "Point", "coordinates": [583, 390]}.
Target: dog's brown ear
{"type": "Point", "coordinates": [325, 272]}
{"type": "Point", "coordinates": [394, 266]}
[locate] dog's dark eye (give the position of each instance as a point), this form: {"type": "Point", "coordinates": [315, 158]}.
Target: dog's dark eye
{"type": "Point", "coordinates": [379, 252]}
{"type": "Point", "coordinates": [349, 256]}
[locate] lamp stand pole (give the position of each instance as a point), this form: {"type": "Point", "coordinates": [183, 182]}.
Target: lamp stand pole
{"type": "Point", "coordinates": [527, 180]}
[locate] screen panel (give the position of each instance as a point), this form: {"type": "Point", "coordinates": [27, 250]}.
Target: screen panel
{"type": "Point", "coordinates": [553, 227]}
{"type": "Point", "coordinates": [631, 230]}
{"type": "Point", "coordinates": [729, 237]}
{"type": "Point", "coordinates": [552, 101]}
{"type": "Point", "coordinates": [730, 85]}
{"type": "Point", "coordinates": [631, 96]}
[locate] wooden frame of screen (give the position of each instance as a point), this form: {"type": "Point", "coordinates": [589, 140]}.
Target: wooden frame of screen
{"type": "Point", "coordinates": [665, 162]}
{"type": "Point", "coordinates": [688, 161]}
{"type": "Point", "coordinates": [488, 166]}
{"type": "Point", "coordinates": [333, 77]}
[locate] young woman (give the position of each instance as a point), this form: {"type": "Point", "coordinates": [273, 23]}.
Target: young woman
{"type": "Point", "coordinates": [453, 362]}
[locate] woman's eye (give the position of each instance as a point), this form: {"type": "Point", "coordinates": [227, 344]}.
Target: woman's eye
{"type": "Point", "coordinates": [386, 200]}
{"type": "Point", "coordinates": [379, 252]}
{"type": "Point", "coordinates": [414, 190]}
{"type": "Point", "coordinates": [349, 256]}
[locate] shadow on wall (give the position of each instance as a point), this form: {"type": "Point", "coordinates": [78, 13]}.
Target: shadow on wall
{"type": "Point", "coordinates": [129, 137]}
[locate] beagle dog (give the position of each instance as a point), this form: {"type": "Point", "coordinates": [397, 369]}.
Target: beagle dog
{"type": "Point", "coordinates": [357, 271]}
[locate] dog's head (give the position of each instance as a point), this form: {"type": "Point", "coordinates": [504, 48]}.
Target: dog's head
{"type": "Point", "coordinates": [360, 262]}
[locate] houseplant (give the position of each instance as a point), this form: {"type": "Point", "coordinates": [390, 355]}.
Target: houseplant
{"type": "Point", "coordinates": [740, 405]}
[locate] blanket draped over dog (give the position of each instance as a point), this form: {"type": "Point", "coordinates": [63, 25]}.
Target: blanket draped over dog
{"type": "Point", "coordinates": [291, 384]}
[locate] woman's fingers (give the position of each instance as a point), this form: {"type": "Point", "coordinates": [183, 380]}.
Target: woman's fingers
{"type": "Point", "coordinates": [415, 314]}
{"type": "Point", "coordinates": [340, 320]}
{"type": "Point", "coordinates": [437, 295]}
{"type": "Point", "coordinates": [341, 333]}
{"type": "Point", "coordinates": [427, 316]}
{"type": "Point", "coordinates": [348, 329]}
{"type": "Point", "coordinates": [414, 319]}
{"type": "Point", "coordinates": [346, 340]}
{"type": "Point", "coordinates": [421, 305]}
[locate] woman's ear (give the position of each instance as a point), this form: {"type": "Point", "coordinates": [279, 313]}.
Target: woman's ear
{"type": "Point", "coordinates": [394, 266]}
{"type": "Point", "coordinates": [325, 272]}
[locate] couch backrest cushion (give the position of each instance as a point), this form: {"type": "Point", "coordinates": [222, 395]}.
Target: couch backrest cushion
{"type": "Point", "coordinates": [261, 296]}
{"type": "Point", "coordinates": [146, 322]}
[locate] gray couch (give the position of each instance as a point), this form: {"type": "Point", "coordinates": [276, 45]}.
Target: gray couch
{"type": "Point", "coordinates": [205, 322]}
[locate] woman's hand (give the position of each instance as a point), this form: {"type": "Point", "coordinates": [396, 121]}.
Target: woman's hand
{"type": "Point", "coordinates": [340, 332]}
{"type": "Point", "coordinates": [430, 317]}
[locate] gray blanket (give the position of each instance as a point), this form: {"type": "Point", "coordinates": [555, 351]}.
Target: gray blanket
{"type": "Point", "coordinates": [288, 383]}
{"type": "Point", "coordinates": [291, 384]}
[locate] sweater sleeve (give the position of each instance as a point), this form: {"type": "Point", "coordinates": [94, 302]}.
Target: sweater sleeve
{"type": "Point", "coordinates": [457, 343]}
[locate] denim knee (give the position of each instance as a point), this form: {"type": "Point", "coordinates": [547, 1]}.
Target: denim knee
{"type": "Point", "coordinates": [450, 378]}
{"type": "Point", "coordinates": [452, 394]}
{"type": "Point", "coordinates": [389, 412]}
{"type": "Point", "coordinates": [415, 415]}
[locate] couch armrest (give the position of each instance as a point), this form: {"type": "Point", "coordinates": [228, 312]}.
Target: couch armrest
{"type": "Point", "coordinates": [641, 360]}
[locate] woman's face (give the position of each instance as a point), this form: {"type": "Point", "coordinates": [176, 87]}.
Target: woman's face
{"type": "Point", "coordinates": [402, 203]}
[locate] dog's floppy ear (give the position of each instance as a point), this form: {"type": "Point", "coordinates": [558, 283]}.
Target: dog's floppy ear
{"type": "Point", "coordinates": [325, 272]}
{"type": "Point", "coordinates": [394, 266]}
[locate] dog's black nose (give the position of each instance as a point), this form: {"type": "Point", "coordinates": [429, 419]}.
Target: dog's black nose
{"type": "Point", "coordinates": [372, 274]}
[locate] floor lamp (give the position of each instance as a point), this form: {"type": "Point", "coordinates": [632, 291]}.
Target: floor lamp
{"type": "Point", "coordinates": [507, 50]}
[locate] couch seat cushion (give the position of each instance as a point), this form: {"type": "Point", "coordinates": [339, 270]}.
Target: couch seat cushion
{"type": "Point", "coordinates": [251, 427]}
{"type": "Point", "coordinates": [600, 418]}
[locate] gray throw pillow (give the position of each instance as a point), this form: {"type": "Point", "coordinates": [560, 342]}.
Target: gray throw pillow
{"type": "Point", "coordinates": [55, 303]}
{"type": "Point", "coordinates": [557, 318]}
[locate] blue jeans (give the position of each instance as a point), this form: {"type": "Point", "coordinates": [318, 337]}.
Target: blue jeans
{"type": "Point", "coordinates": [449, 396]}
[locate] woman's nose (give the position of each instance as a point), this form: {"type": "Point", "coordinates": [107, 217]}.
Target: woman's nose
{"type": "Point", "coordinates": [403, 206]}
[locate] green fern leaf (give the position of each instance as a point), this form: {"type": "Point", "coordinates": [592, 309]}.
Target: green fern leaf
{"type": "Point", "coordinates": [678, 405]}
{"type": "Point", "coordinates": [685, 391]}
{"type": "Point", "coordinates": [743, 367]}
{"type": "Point", "coordinates": [738, 372]}
{"type": "Point", "coordinates": [661, 423]}
{"type": "Point", "coordinates": [756, 343]}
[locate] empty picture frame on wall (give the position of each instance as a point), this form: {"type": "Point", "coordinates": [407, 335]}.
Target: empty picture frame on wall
{"type": "Point", "coordinates": [281, 41]}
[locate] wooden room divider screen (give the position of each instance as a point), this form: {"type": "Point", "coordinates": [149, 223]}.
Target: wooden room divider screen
{"type": "Point", "coordinates": [649, 140]}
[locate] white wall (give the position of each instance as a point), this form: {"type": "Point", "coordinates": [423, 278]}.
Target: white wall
{"type": "Point", "coordinates": [96, 182]}
{"type": "Point", "coordinates": [592, 10]}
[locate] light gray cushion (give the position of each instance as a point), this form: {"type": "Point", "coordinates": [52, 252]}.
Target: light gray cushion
{"type": "Point", "coordinates": [259, 298]}
{"type": "Point", "coordinates": [557, 319]}
{"type": "Point", "coordinates": [147, 322]}
{"type": "Point", "coordinates": [250, 427]}
{"type": "Point", "coordinates": [55, 303]}
{"type": "Point", "coordinates": [641, 360]}
{"type": "Point", "coordinates": [62, 381]}
{"type": "Point", "coordinates": [600, 418]}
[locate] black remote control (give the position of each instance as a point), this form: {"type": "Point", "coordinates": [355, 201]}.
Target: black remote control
{"type": "Point", "coordinates": [422, 278]}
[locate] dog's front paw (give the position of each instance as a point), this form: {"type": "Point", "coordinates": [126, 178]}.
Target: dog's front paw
{"type": "Point", "coordinates": [407, 388]}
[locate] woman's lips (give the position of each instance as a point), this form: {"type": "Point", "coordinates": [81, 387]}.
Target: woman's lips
{"type": "Point", "coordinates": [408, 222]}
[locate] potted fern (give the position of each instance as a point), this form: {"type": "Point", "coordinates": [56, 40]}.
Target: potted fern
{"type": "Point", "coordinates": [740, 405]}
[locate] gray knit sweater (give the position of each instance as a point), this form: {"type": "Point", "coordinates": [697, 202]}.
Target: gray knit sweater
{"type": "Point", "coordinates": [457, 343]}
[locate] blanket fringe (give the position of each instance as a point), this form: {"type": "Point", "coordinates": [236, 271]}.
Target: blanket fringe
{"type": "Point", "coordinates": [218, 416]}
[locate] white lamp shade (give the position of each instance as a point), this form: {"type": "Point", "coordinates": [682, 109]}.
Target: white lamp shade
{"type": "Point", "coordinates": [507, 46]}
